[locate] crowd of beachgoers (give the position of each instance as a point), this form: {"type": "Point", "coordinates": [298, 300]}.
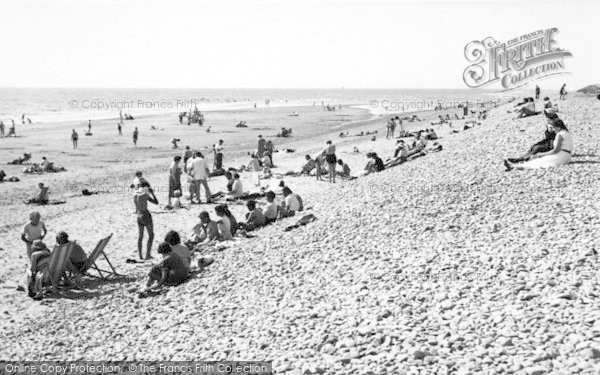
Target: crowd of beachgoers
{"type": "Point", "coordinates": [360, 275]}
{"type": "Point", "coordinates": [192, 166]}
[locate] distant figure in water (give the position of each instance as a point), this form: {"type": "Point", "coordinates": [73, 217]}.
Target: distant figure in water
{"type": "Point", "coordinates": [120, 128]}
{"type": "Point", "coordinates": [74, 138]}
{"type": "Point", "coordinates": [121, 117]}
{"type": "Point", "coordinates": [135, 136]}
{"type": "Point", "coordinates": [90, 126]}
{"type": "Point", "coordinates": [23, 118]}
{"type": "Point", "coordinates": [1, 129]}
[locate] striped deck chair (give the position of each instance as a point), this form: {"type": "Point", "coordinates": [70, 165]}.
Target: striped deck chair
{"type": "Point", "coordinates": [90, 264]}
{"type": "Point", "coordinates": [56, 267]}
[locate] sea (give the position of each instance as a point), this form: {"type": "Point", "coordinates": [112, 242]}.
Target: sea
{"type": "Point", "coordinates": [49, 105]}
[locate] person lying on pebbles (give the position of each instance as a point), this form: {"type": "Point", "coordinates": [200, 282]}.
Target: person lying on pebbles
{"type": "Point", "coordinates": [559, 155]}
{"type": "Point", "coordinates": [544, 145]}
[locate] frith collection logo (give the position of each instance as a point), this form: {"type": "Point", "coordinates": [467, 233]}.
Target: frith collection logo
{"type": "Point", "coordinates": [516, 62]}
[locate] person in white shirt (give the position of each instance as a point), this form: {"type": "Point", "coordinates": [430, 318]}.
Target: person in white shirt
{"type": "Point", "coordinates": [198, 170]}
{"type": "Point", "coordinates": [272, 209]}
{"type": "Point", "coordinates": [291, 202]}
{"type": "Point", "coordinates": [218, 150]}
{"type": "Point", "coordinates": [237, 189]}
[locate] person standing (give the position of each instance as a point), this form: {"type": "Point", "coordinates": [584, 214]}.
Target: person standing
{"type": "Point", "coordinates": [218, 150]}
{"type": "Point", "coordinates": [135, 136]}
{"type": "Point", "coordinates": [121, 117]}
{"type": "Point", "coordinates": [187, 155]}
{"type": "Point", "coordinates": [35, 229]}
{"type": "Point", "coordinates": [199, 171]}
{"type": "Point", "coordinates": [537, 92]}
{"type": "Point", "coordinates": [331, 160]}
{"type": "Point", "coordinates": [269, 149]}
{"type": "Point", "coordinates": [261, 146]}
{"type": "Point", "coordinates": [1, 129]}
{"type": "Point", "coordinates": [144, 218]}
{"type": "Point", "coordinates": [89, 126]}
{"type": "Point", "coordinates": [563, 92]}
{"type": "Point", "coordinates": [120, 128]}
{"type": "Point", "coordinates": [174, 177]}
{"type": "Point", "coordinates": [74, 138]}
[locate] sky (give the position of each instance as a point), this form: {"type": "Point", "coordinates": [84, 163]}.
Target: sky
{"type": "Point", "coordinates": [275, 44]}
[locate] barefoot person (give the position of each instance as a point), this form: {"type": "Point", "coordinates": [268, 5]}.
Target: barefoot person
{"type": "Point", "coordinates": [559, 155]}
{"type": "Point", "coordinates": [174, 178]}
{"type": "Point", "coordinates": [330, 158]}
{"type": "Point", "coordinates": [144, 218]}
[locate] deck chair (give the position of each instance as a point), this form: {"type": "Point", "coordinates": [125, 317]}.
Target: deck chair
{"type": "Point", "coordinates": [56, 267]}
{"type": "Point", "coordinates": [90, 264]}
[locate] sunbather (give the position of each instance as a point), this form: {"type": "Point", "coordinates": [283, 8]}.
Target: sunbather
{"type": "Point", "coordinates": [42, 196]}
{"type": "Point", "coordinates": [254, 218]}
{"type": "Point", "coordinates": [171, 270]}
{"type": "Point", "coordinates": [224, 224]}
{"type": "Point", "coordinates": [271, 212]}
{"type": "Point", "coordinates": [375, 164]}
{"type": "Point", "coordinates": [77, 257]}
{"type": "Point", "coordinates": [291, 203]}
{"type": "Point", "coordinates": [345, 172]}
{"type": "Point", "coordinates": [173, 239]}
{"type": "Point", "coordinates": [544, 145]}
{"type": "Point", "coordinates": [40, 259]}
{"type": "Point", "coordinates": [141, 198]}
{"type": "Point", "coordinates": [204, 232]}
{"type": "Point", "coordinates": [22, 159]}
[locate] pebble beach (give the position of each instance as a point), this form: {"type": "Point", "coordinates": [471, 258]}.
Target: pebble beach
{"type": "Point", "coordinates": [443, 264]}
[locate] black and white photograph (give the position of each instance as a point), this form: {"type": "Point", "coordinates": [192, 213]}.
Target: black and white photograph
{"type": "Point", "coordinates": [387, 187]}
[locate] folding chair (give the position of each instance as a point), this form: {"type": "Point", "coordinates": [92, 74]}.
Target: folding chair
{"type": "Point", "coordinates": [56, 267]}
{"type": "Point", "coordinates": [91, 262]}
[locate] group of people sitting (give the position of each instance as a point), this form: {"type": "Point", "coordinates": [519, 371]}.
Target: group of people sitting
{"type": "Point", "coordinates": [44, 166]}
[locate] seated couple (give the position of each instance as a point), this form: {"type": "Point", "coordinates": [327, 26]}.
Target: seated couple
{"type": "Point", "coordinates": [208, 232]}
{"type": "Point", "coordinates": [554, 150]}
{"type": "Point", "coordinates": [374, 164]}
{"type": "Point", "coordinates": [38, 274]}
{"type": "Point", "coordinates": [527, 108]}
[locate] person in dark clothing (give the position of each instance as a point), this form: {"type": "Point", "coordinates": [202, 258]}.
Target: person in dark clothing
{"type": "Point", "coordinates": [544, 145]}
